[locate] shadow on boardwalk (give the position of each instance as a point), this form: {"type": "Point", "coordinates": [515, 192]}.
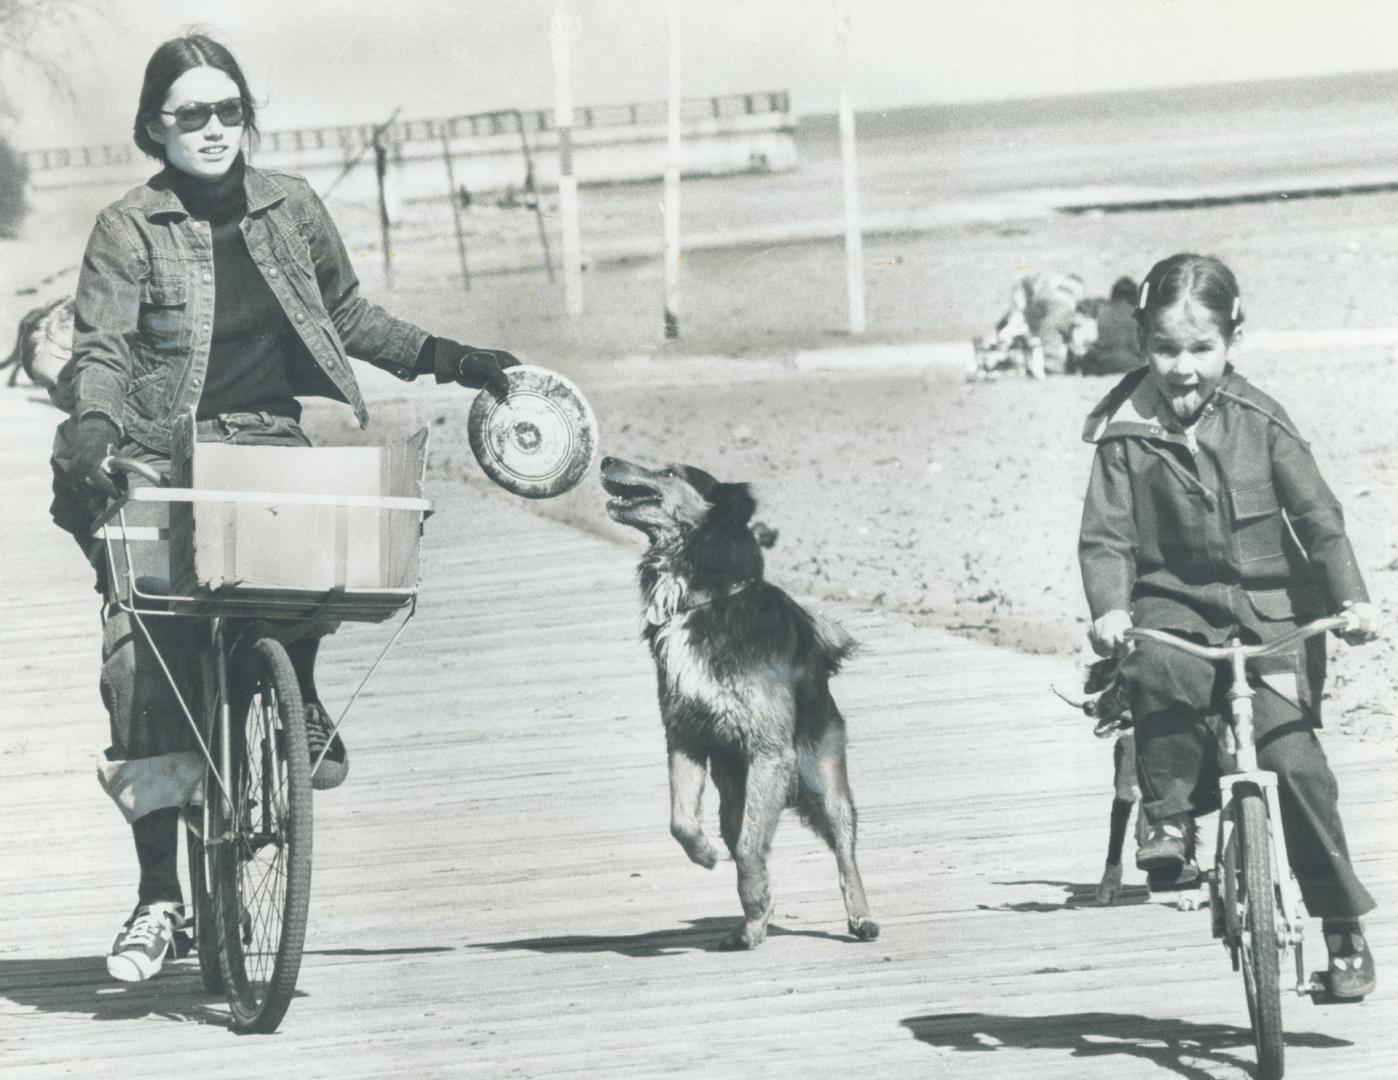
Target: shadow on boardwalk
{"type": "Point", "coordinates": [705, 935]}
{"type": "Point", "coordinates": [1190, 1050]}
{"type": "Point", "coordinates": [80, 985]}
{"type": "Point", "coordinates": [1080, 897]}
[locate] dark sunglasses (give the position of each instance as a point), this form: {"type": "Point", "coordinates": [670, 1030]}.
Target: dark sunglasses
{"type": "Point", "coordinates": [195, 115]}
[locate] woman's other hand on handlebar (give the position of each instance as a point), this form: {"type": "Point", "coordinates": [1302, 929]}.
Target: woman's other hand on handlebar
{"type": "Point", "coordinates": [92, 443]}
{"type": "Point", "coordinates": [1364, 622]}
{"type": "Point", "coordinates": [1107, 634]}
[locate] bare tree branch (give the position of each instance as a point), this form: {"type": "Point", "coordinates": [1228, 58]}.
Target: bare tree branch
{"type": "Point", "coordinates": [39, 39]}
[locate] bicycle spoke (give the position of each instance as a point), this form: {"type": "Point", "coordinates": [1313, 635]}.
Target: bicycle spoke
{"type": "Point", "coordinates": [268, 872]}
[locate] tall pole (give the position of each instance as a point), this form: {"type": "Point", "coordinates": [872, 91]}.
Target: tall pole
{"type": "Point", "coordinates": [567, 182]}
{"type": "Point", "coordinates": [854, 241]}
{"type": "Point", "coordinates": [672, 181]}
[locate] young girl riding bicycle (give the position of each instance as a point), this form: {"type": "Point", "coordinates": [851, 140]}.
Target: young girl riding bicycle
{"type": "Point", "coordinates": [1206, 515]}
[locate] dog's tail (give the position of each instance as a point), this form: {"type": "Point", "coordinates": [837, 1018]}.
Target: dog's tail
{"type": "Point", "coordinates": [833, 640]}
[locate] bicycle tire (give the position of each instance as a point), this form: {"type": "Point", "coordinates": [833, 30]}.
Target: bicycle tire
{"type": "Point", "coordinates": [263, 863]}
{"type": "Point", "coordinates": [201, 905]}
{"type": "Point", "coordinates": [1261, 953]}
{"type": "Point", "coordinates": [205, 926]}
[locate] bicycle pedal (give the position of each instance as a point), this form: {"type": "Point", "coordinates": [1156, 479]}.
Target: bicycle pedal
{"type": "Point", "coordinates": [183, 944]}
{"type": "Point", "coordinates": [1186, 877]}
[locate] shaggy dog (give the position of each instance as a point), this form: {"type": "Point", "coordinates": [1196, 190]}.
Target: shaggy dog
{"type": "Point", "coordinates": [743, 675]}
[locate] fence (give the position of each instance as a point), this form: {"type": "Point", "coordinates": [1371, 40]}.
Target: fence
{"type": "Point", "coordinates": [756, 128]}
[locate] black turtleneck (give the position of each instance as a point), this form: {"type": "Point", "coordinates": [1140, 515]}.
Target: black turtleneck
{"type": "Point", "coordinates": [254, 350]}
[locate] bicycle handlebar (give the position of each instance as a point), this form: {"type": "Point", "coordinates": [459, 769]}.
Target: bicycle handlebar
{"type": "Point", "coordinates": [1226, 652]}
{"type": "Point", "coordinates": [140, 468]}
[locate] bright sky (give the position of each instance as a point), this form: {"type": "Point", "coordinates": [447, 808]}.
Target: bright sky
{"type": "Point", "coordinates": [332, 61]}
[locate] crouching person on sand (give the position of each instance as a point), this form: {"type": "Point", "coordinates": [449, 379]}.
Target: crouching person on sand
{"type": "Point", "coordinates": [1047, 302]}
{"type": "Point", "coordinates": [222, 288]}
{"type": "Point", "coordinates": [1104, 337]}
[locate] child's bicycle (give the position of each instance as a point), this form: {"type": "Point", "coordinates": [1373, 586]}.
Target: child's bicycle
{"type": "Point", "coordinates": [249, 843]}
{"type": "Point", "coordinates": [1253, 895]}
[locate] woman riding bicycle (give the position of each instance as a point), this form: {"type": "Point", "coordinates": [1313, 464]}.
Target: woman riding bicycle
{"type": "Point", "coordinates": [1206, 515]}
{"type": "Point", "coordinates": [226, 289]}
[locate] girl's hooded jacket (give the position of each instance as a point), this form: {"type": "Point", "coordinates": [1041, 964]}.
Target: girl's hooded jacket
{"type": "Point", "coordinates": [1224, 528]}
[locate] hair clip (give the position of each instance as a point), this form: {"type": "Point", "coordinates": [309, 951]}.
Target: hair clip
{"type": "Point", "coordinates": [1145, 293]}
{"type": "Point", "coordinates": [1237, 307]}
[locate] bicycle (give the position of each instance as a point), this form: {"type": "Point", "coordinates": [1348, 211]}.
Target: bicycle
{"type": "Point", "coordinates": [250, 832]}
{"type": "Point", "coordinates": [1254, 899]}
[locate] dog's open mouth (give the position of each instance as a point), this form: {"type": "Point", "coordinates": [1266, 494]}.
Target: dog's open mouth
{"type": "Point", "coordinates": [628, 496]}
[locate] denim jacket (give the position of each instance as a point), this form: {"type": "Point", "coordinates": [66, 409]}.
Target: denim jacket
{"type": "Point", "coordinates": [144, 307]}
{"type": "Point", "coordinates": [1235, 528]}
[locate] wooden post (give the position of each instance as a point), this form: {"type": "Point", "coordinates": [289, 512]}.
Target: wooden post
{"type": "Point", "coordinates": [531, 191]}
{"type": "Point", "coordinates": [672, 181]}
{"type": "Point", "coordinates": [567, 183]}
{"type": "Point", "coordinates": [854, 241]}
{"type": "Point", "coordinates": [455, 211]}
{"type": "Point", "coordinates": [380, 171]}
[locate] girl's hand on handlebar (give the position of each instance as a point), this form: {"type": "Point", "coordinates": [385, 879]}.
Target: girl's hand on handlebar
{"type": "Point", "coordinates": [1107, 632]}
{"type": "Point", "coordinates": [1364, 622]}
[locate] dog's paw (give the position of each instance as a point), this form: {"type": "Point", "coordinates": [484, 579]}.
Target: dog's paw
{"type": "Point", "coordinates": [703, 853]}
{"type": "Point", "coordinates": [1197, 900]}
{"type": "Point", "coordinates": [745, 937]}
{"type": "Point", "coordinates": [696, 845]}
{"type": "Point", "coordinates": [864, 928]}
{"type": "Point", "coordinates": [1109, 888]}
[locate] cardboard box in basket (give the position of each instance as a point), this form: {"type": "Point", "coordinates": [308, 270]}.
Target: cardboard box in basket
{"type": "Point", "coordinates": [336, 529]}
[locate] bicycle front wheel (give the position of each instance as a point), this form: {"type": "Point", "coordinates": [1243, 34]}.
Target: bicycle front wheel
{"type": "Point", "coordinates": [1249, 864]}
{"type": "Point", "coordinates": [205, 926]}
{"type": "Point", "coordinates": [262, 872]}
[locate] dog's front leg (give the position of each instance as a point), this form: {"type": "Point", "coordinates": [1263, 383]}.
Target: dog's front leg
{"type": "Point", "coordinates": [686, 792]}
{"type": "Point", "coordinates": [764, 797]}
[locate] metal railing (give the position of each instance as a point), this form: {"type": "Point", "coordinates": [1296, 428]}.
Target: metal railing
{"type": "Point", "coordinates": [352, 137]}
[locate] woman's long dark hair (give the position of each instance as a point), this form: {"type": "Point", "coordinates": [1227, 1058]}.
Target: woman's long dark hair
{"type": "Point", "coordinates": [171, 60]}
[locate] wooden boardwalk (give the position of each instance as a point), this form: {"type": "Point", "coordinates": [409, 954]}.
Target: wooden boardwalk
{"type": "Point", "coordinates": [496, 893]}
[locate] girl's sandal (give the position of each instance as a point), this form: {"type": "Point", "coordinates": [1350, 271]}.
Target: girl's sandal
{"type": "Point", "coordinates": [1351, 974]}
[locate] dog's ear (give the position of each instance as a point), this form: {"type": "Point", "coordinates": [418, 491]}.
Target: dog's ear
{"type": "Point", "coordinates": [734, 501]}
{"type": "Point", "coordinates": [697, 478]}
{"type": "Point", "coordinates": [763, 533]}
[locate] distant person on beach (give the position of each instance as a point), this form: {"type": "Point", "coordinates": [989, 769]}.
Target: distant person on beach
{"type": "Point", "coordinates": [1104, 337]}
{"type": "Point", "coordinates": [1206, 515]}
{"type": "Point", "coordinates": [1045, 302]}
{"type": "Point", "coordinates": [222, 288]}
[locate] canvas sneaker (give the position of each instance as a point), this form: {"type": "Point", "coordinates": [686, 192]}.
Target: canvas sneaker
{"type": "Point", "coordinates": [335, 766]}
{"type": "Point", "coordinates": [148, 937]}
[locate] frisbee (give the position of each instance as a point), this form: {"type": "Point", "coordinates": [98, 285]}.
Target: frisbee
{"type": "Point", "coordinates": [540, 440]}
